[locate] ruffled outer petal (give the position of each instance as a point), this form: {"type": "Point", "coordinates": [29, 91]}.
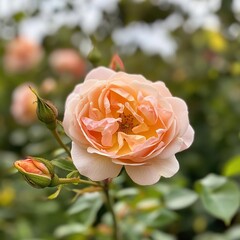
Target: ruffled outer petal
{"type": "Point", "coordinates": [163, 90]}
{"type": "Point", "coordinates": [151, 173]}
{"type": "Point", "coordinates": [100, 73]}
{"type": "Point", "coordinates": [93, 166]}
{"type": "Point", "coordinates": [187, 138]}
{"type": "Point", "coordinates": [172, 148]}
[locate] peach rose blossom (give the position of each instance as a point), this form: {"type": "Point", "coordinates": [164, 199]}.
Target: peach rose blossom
{"type": "Point", "coordinates": [21, 55]}
{"type": "Point", "coordinates": [117, 119]}
{"type": "Point", "coordinates": [67, 61]}
{"type": "Point", "coordinates": [23, 108]}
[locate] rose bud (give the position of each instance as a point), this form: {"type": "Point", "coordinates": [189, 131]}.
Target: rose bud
{"type": "Point", "coordinates": [38, 172]}
{"type": "Point", "coordinates": [46, 112]}
{"type": "Point", "coordinates": [116, 63]}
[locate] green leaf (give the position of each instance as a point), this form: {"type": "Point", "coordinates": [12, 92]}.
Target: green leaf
{"type": "Point", "coordinates": [148, 204]}
{"type": "Point", "coordinates": [232, 167]}
{"type": "Point", "coordinates": [211, 236]}
{"type": "Point", "coordinates": [220, 196]}
{"type": "Point", "coordinates": [70, 229]}
{"type": "Point", "coordinates": [180, 198]}
{"type": "Point", "coordinates": [64, 164]}
{"type": "Point", "coordinates": [55, 194]}
{"type": "Point", "coordinates": [157, 235]}
{"type": "Point", "coordinates": [160, 218]}
{"type": "Point", "coordinates": [87, 207]}
{"type": "Point", "coordinates": [127, 192]}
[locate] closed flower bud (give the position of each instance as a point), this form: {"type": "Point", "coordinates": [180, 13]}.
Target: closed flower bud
{"type": "Point", "coordinates": [116, 63]}
{"type": "Point", "coordinates": [38, 172]}
{"type": "Point", "coordinates": [46, 112]}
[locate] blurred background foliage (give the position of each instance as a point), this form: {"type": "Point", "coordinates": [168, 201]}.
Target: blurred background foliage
{"type": "Point", "coordinates": [191, 45]}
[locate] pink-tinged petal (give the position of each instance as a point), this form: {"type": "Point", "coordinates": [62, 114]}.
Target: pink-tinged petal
{"type": "Point", "coordinates": [100, 73]}
{"type": "Point", "coordinates": [163, 90]}
{"type": "Point", "coordinates": [134, 113]}
{"type": "Point", "coordinates": [181, 113]}
{"type": "Point", "coordinates": [93, 166]}
{"type": "Point", "coordinates": [132, 140]}
{"type": "Point", "coordinates": [125, 77]}
{"type": "Point", "coordinates": [83, 88]}
{"type": "Point", "coordinates": [103, 102]}
{"type": "Point", "coordinates": [122, 93]}
{"type": "Point", "coordinates": [146, 88]}
{"type": "Point", "coordinates": [94, 113]}
{"type": "Point", "coordinates": [147, 150]}
{"type": "Point", "coordinates": [168, 166]}
{"type": "Point", "coordinates": [129, 162]}
{"type": "Point", "coordinates": [148, 113]}
{"type": "Point", "coordinates": [142, 127]}
{"type": "Point", "coordinates": [172, 148]}
{"type": "Point", "coordinates": [107, 127]}
{"type": "Point", "coordinates": [151, 173]}
{"type": "Point", "coordinates": [70, 122]}
{"type": "Point", "coordinates": [95, 92]}
{"type": "Point", "coordinates": [166, 117]}
{"type": "Point", "coordinates": [187, 138]}
{"type": "Point", "coordinates": [139, 78]}
{"type": "Point", "coordinates": [101, 152]}
{"type": "Point", "coordinates": [107, 135]}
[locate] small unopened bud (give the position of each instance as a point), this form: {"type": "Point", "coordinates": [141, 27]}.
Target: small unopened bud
{"type": "Point", "coordinates": [38, 172]}
{"type": "Point", "coordinates": [116, 63]}
{"type": "Point", "coordinates": [46, 111]}
{"type": "Point", "coordinates": [94, 56]}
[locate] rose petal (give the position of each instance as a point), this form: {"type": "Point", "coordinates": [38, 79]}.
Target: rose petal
{"type": "Point", "coordinates": [81, 89]}
{"type": "Point", "coordinates": [172, 148]}
{"type": "Point", "coordinates": [93, 166]}
{"type": "Point", "coordinates": [70, 123]}
{"type": "Point", "coordinates": [187, 138]}
{"type": "Point", "coordinates": [127, 162]}
{"type": "Point", "coordinates": [181, 113]}
{"type": "Point", "coordinates": [146, 88]}
{"type": "Point", "coordinates": [122, 93]}
{"type": "Point", "coordinates": [107, 127]}
{"type": "Point", "coordinates": [133, 140]}
{"type": "Point", "coordinates": [100, 73]}
{"type": "Point", "coordinates": [163, 90]}
{"type": "Point", "coordinates": [124, 77]}
{"type": "Point", "coordinates": [150, 174]}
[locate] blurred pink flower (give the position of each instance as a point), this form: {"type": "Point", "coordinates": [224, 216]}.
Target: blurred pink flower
{"type": "Point", "coordinates": [23, 108]}
{"type": "Point", "coordinates": [48, 85]}
{"type": "Point", "coordinates": [117, 119]}
{"type": "Point", "coordinates": [67, 61]}
{"type": "Point", "coordinates": [21, 55]}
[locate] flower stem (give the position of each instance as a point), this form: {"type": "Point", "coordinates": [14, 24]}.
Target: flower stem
{"type": "Point", "coordinates": [59, 140]}
{"type": "Point", "coordinates": [76, 180]}
{"type": "Point", "coordinates": [109, 205]}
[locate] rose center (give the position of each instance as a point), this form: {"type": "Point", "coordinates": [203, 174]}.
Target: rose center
{"type": "Point", "coordinates": [127, 123]}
